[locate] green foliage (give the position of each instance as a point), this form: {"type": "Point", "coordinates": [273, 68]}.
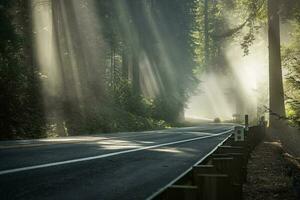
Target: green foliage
{"type": "Point", "coordinates": [252, 15]}
{"type": "Point", "coordinates": [21, 112]}
{"type": "Point", "coordinates": [112, 120]}
{"type": "Point", "coordinates": [166, 109]}
{"type": "Point", "coordinates": [128, 100]}
{"type": "Point", "coordinates": [168, 33]}
{"type": "Point", "coordinates": [217, 23]}
{"type": "Point", "coordinates": [131, 29]}
{"type": "Point", "coordinates": [291, 62]}
{"type": "Point", "coordinates": [133, 114]}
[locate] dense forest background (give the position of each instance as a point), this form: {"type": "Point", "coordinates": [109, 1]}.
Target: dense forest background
{"type": "Point", "coordinates": [70, 67]}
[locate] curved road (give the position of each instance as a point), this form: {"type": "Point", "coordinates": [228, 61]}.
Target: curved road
{"type": "Point", "coordinates": [103, 167]}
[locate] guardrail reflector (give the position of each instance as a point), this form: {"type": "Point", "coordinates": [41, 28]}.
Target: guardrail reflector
{"type": "Point", "coordinates": [239, 133]}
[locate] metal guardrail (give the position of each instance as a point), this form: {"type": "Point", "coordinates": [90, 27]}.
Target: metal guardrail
{"type": "Point", "coordinates": [218, 175]}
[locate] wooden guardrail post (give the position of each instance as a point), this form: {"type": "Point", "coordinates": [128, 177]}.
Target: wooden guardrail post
{"type": "Point", "coordinates": [221, 174]}
{"type": "Point", "coordinates": [234, 149]}
{"type": "Point", "coordinates": [232, 167]}
{"type": "Point", "coordinates": [214, 186]}
{"type": "Point", "coordinates": [181, 192]}
{"type": "Point", "coordinates": [203, 169]}
{"type": "Point", "coordinates": [198, 169]}
{"type": "Point", "coordinates": [230, 149]}
{"type": "Point", "coordinates": [225, 165]}
{"type": "Point", "coordinates": [239, 166]}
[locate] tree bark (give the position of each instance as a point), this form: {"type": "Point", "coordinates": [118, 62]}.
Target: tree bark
{"type": "Point", "coordinates": [136, 72]}
{"type": "Point", "coordinates": [112, 65]}
{"type": "Point", "coordinates": [125, 63]}
{"type": "Point", "coordinates": [58, 112]}
{"type": "Point", "coordinates": [206, 36]}
{"type": "Point", "coordinates": [137, 44]}
{"type": "Point", "coordinates": [276, 93]}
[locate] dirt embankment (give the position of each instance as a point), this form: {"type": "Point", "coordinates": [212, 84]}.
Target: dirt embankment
{"type": "Point", "coordinates": [290, 139]}
{"type": "Point", "coordinates": [272, 173]}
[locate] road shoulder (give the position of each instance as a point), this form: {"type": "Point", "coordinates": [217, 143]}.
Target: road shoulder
{"type": "Point", "coordinates": [269, 173]}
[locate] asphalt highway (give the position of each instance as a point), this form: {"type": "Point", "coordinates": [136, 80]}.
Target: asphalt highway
{"type": "Point", "coordinates": [125, 166]}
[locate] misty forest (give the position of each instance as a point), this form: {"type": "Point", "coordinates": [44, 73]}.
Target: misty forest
{"type": "Point", "coordinates": [79, 67]}
{"type": "Point", "coordinates": [150, 99]}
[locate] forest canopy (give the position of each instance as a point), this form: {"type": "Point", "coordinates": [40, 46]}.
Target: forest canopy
{"type": "Point", "coordinates": [83, 66]}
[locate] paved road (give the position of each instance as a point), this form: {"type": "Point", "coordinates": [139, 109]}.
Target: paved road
{"type": "Point", "coordinates": [111, 166]}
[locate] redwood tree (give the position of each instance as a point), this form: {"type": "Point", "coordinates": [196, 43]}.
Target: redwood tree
{"type": "Point", "coordinates": [276, 92]}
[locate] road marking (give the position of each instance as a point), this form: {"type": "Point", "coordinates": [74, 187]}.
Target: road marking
{"type": "Point", "coordinates": [10, 171]}
{"type": "Point", "coordinates": [55, 141]}
{"type": "Point", "coordinates": [186, 172]}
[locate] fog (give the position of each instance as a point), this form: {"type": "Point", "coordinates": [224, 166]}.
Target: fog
{"type": "Point", "coordinates": [236, 91]}
{"type": "Point", "coordinates": [72, 57]}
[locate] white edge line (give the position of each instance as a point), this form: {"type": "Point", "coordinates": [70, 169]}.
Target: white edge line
{"type": "Point", "coordinates": [188, 170]}
{"type": "Point", "coordinates": [10, 171]}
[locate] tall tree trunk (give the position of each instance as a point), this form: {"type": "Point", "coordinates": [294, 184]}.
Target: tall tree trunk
{"type": "Point", "coordinates": [125, 62]}
{"type": "Point", "coordinates": [275, 72]}
{"type": "Point", "coordinates": [137, 44]}
{"type": "Point", "coordinates": [112, 65]}
{"type": "Point", "coordinates": [58, 112]}
{"type": "Point", "coordinates": [136, 72]}
{"type": "Point", "coordinates": [206, 34]}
